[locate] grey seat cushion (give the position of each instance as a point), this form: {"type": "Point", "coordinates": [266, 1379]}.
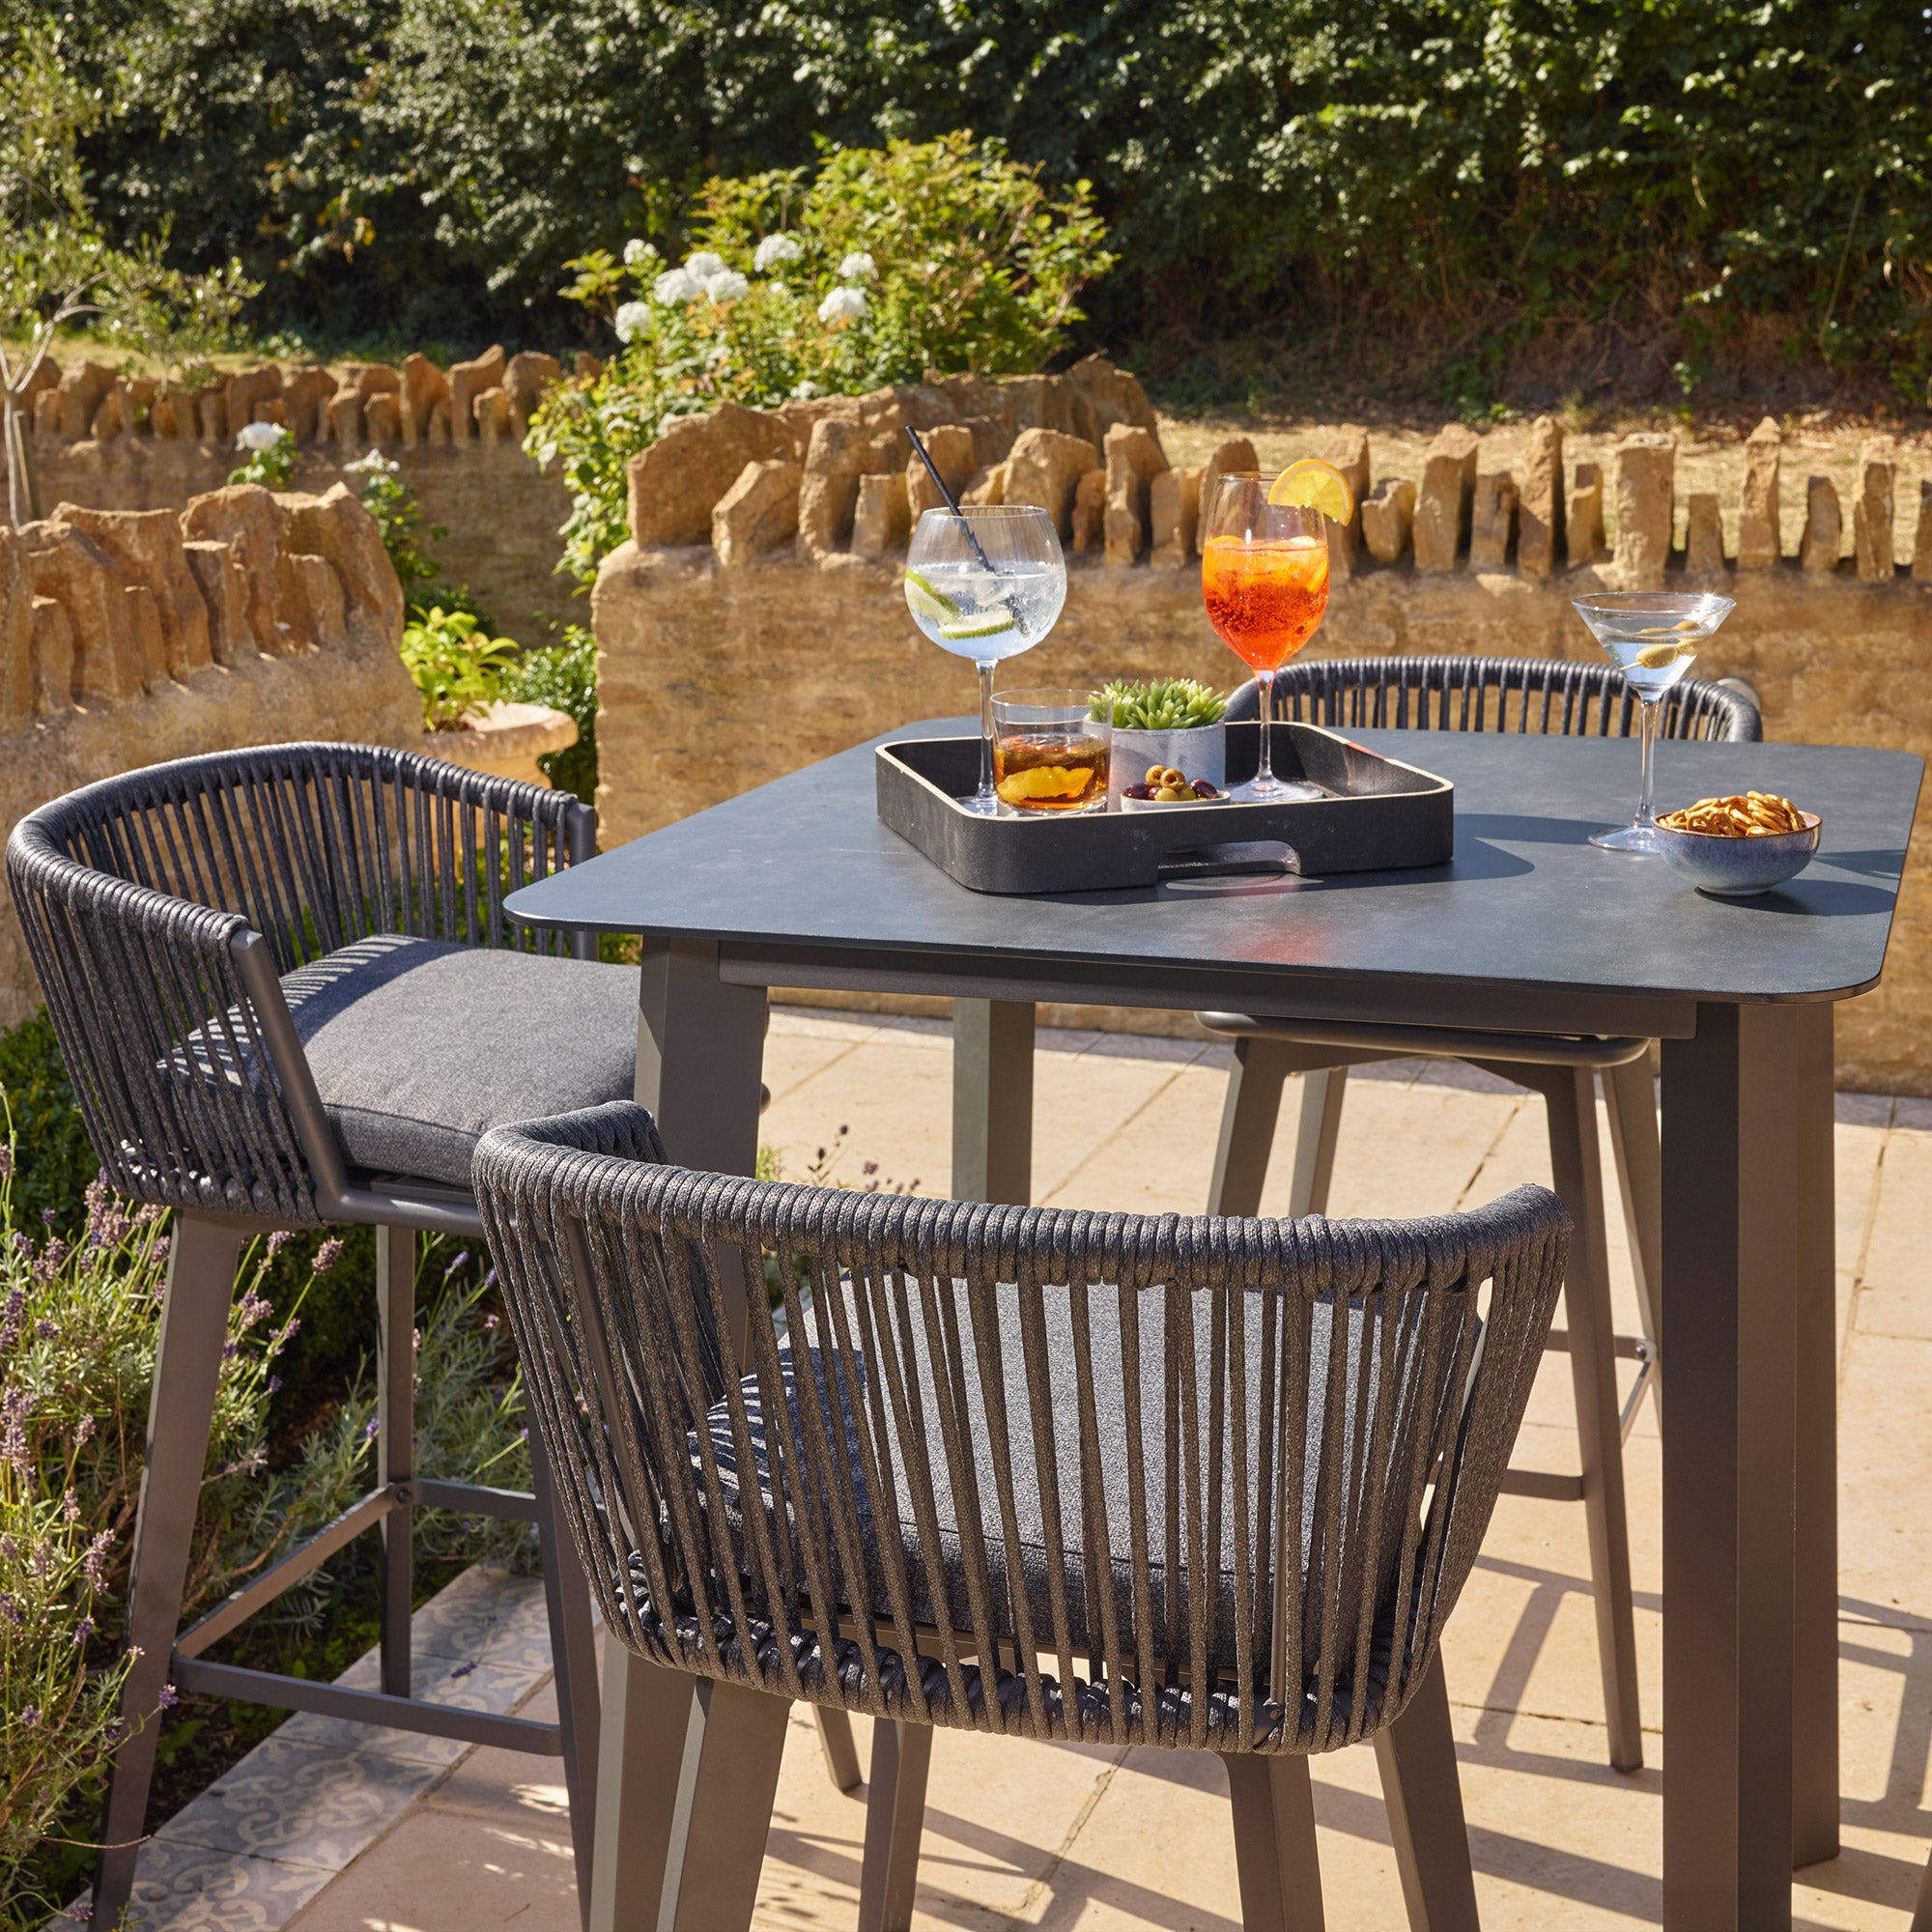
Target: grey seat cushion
{"type": "Point", "coordinates": [1365, 1559]}
{"type": "Point", "coordinates": [418, 1047]}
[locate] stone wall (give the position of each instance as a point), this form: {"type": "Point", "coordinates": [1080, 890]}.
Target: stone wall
{"type": "Point", "coordinates": [112, 444]}
{"type": "Point", "coordinates": [721, 670]}
{"type": "Point", "coordinates": [127, 638]}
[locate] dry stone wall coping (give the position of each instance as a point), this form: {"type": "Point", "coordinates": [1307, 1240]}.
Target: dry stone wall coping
{"type": "Point", "coordinates": [127, 638]}
{"type": "Point", "coordinates": [1469, 512]}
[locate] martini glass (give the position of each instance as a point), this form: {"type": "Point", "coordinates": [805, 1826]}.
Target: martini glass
{"type": "Point", "coordinates": [985, 584]}
{"type": "Point", "coordinates": [1652, 637]}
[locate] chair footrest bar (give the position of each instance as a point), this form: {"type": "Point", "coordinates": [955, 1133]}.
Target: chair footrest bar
{"type": "Point", "coordinates": [1626, 1348]}
{"type": "Point", "coordinates": [1540, 1484]}
{"type": "Point", "coordinates": [366, 1706]}
{"type": "Point", "coordinates": [470, 1499]}
{"type": "Point", "coordinates": [1640, 1388]}
{"type": "Point", "coordinates": [241, 1605]}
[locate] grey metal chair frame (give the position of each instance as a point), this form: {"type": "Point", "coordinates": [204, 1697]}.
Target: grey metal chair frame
{"type": "Point", "coordinates": [1524, 695]}
{"type": "Point", "coordinates": [160, 909]}
{"type": "Point", "coordinates": [1315, 1416]}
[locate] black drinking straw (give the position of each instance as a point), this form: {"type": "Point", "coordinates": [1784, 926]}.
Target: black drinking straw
{"type": "Point", "coordinates": [951, 501]}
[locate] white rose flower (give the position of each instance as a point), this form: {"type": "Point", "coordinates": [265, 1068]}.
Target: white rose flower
{"type": "Point", "coordinates": [842, 305]}
{"type": "Point", "coordinates": [774, 249]}
{"type": "Point", "coordinates": [637, 250]}
{"type": "Point", "coordinates": [673, 286]}
{"type": "Point", "coordinates": [857, 267]}
{"type": "Point", "coordinates": [634, 319]}
{"type": "Point", "coordinates": [702, 266]}
{"type": "Point", "coordinates": [256, 437]}
{"type": "Point", "coordinates": [727, 285]}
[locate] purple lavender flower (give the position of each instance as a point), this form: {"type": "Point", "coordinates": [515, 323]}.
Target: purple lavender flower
{"type": "Point", "coordinates": [274, 1384]}
{"type": "Point", "coordinates": [94, 1565]}
{"type": "Point", "coordinates": [326, 1256]}
{"type": "Point", "coordinates": [83, 1432]}
{"type": "Point", "coordinates": [30, 1716]}
{"type": "Point", "coordinates": [82, 1631]}
{"type": "Point", "coordinates": [169, 1698]}
{"type": "Point", "coordinates": [47, 1330]}
{"type": "Point", "coordinates": [369, 1429]}
{"type": "Point", "coordinates": [69, 1507]}
{"type": "Point", "coordinates": [10, 1323]}
{"type": "Point", "coordinates": [280, 1240]}
{"type": "Point", "coordinates": [12, 1611]}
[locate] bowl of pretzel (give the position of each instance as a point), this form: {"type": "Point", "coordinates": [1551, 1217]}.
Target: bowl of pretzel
{"type": "Point", "coordinates": [1741, 844]}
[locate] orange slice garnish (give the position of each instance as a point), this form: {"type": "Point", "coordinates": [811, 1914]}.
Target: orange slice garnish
{"type": "Point", "coordinates": [1315, 485]}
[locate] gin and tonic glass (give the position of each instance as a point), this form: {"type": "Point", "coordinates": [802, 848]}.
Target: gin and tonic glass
{"type": "Point", "coordinates": [985, 584]}
{"type": "Point", "coordinates": [1652, 637]}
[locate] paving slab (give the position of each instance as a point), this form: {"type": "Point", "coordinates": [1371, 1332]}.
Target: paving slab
{"type": "Point", "coordinates": [1031, 1835]}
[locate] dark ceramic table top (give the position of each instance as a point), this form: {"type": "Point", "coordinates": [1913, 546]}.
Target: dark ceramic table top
{"type": "Point", "coordinates": [1526, 903]}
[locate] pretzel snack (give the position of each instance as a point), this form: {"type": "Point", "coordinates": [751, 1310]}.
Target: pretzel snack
{"type": "Point", "coordinates": [1753, 814]}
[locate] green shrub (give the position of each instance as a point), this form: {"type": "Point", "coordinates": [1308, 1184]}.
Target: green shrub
{"type": "Point", "coordinates": [1384, 188]}
{"type": "Point", "coordinates": [875, 267]}
{"type": "Point", "coordinates": [399, 519]}
{"type": "Point", "coordinates": [565, 678]}
{"type": "Point", "coordinates": [459, 669]}
{"type": "Point", "coordinates": [56, 1161]}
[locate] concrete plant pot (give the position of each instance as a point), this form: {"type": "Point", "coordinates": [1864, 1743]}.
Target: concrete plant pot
{"type": "Point", "coordinates": [1200, 752]}
{"type": "Point", "coordinates": [506, 741]}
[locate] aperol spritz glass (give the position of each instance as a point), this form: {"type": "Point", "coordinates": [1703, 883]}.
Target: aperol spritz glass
{"type": "Point", "coordinates": [1265, 580]}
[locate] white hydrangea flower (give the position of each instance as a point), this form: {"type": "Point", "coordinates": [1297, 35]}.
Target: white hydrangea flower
{"type": "Point", "coordinates": [256, 437]}
{"type": "Point", "coordinates": [857, 267]}
{"type": "Point", "coordinates": [636, 249]}
{"type": "Point", "coordinates": [727, 285]}
{"type": "Point", "coordinates": [774, 249]}
{"type": "Point", "coordinates": [675, 285]}
{"type": "Point", "coordinates": [842, 305]}
{"type": "Point", "coordinates": [702, 266]}
{"type": "Point", "coordinates": [634, 319]}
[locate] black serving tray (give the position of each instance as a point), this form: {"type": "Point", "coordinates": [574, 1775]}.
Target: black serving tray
{"type": "Point", "coordinates": [1385, 815]}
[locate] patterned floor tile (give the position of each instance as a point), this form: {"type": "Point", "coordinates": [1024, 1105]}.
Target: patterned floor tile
{"type": "Point", "coordinates": [300, 1804]}
{"type": "Point", "coordinates": [182, 1888]}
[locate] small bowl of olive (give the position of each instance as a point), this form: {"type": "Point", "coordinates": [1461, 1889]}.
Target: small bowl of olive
{"type": "Point", "coordinates": [1167, 786]}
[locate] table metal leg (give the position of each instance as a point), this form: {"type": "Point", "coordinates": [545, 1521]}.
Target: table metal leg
{"type": "Point", "coordinates": [992, 1101]}
{"type": "Point", "coordinates": [1742, 1102]}
{"type": "Point", "coordinates": [1814, 1676]}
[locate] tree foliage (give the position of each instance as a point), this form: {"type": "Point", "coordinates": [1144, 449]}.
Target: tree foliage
{"type": "Point", "coordinates": [1658, 185]}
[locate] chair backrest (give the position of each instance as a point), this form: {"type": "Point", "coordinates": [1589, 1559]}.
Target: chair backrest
{"type": "Point", "coordinates": [141, 897]}
{"type": "Point", "coordinates": [1107, 1477]}
{"type": "Point", "coordinates": [1529, 694]}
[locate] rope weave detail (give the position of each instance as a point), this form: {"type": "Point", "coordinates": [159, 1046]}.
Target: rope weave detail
{"type": "Point", "coordinates": [1105, 1477]}
{"type": "Point", "coordinates": [132, 894]}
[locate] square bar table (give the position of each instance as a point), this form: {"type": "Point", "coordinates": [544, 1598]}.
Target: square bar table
{"type": "Point", "coordinates": [1530, 928]}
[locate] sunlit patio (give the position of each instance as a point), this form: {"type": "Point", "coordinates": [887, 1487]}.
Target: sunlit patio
{"type": "Point", "coordinates": [333, 1836]}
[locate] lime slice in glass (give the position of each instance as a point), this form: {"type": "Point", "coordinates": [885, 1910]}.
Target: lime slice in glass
{"type": "Point", "coordinates": [987, 622]}
{"type": "Point", "coordinates": [928, 602]}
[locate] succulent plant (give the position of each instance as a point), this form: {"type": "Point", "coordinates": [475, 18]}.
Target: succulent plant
{"type": "Point", "coordinates": [1160, 704]}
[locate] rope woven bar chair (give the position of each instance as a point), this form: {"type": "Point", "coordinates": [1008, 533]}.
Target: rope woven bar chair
{"type": "Point", "coordinates": [288, 996]}
{"type": "Point", "coordinates": [1203, 1485]}
{"type": "Point", "coordinates": [1524, 695]}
